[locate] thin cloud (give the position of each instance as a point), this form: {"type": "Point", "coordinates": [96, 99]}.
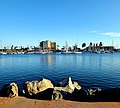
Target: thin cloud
{"type": "Point", "coordinates": [93, 31]}
{"type": "Point", "coordinates": [111, 34]}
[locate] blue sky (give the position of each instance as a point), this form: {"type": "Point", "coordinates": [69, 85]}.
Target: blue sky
{"type": "Point", "coordinates": [26, 22]}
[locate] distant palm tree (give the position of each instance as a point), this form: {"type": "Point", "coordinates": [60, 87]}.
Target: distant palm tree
{"type": "Point", "coordinates": [90, 43]}
{"type": "Point", "coordinates": [100, 44]}
{"type": "Point", "coordinates": [5, 49]}
{"type": "Point", "coordinates": [57, 47]}
{"type": "Point", "coordinates": [83, 45]}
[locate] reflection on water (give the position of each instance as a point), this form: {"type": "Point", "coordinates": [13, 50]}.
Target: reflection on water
{"type": "Point", "coordinates": [90, 70]}
{"type": "Point", "coordinates": [48, 59]}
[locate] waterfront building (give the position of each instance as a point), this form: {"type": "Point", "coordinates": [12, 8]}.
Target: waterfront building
{"type": "Point", "coordinates": [99, 48]}
{"type": "Point", "coordinates": [47, 46]}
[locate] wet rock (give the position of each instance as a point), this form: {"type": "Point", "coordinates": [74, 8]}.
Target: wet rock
{"type": "Point", "coordinates": [80, 95]}
{"type": "Point", "coordinates": [10, 90]}
{"type": "Point", "coordinates": [93, 91]}
{"type": "Point", "coordinates": [92, 94]}
{"type": "Point", "coordinates": [34, 87]}
{"type": "Point", "coordinates": [57, 95]}
{"type": "Point", "coordinates": [109, 95]}
{"type": "Point", "coordinates": [44, 95]}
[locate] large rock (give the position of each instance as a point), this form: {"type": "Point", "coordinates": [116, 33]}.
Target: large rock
{"type": "Point", "coordinates": [44, 95]}
{"type": "Point", "coordinates": [35, 87]}
{"type": "Point", "coordinates": [80, 95]}
{"type": "Point", "coordinates": [10, 90]}
{"type": "Point", "coordinates": [68, 86]}
{"type": "Point", "coordinates": [30, 88]}
{"type": "Point", "coordinates": [45, 84]}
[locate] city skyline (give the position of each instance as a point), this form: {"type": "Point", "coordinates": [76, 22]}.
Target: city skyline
{"type": "Point", "coordinates": [27, 22]}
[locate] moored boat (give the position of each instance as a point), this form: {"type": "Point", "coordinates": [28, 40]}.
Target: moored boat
{"type": "Point", "coordinates": [4, 53]}
{"type": "Point", "coordinates": [76, 52]}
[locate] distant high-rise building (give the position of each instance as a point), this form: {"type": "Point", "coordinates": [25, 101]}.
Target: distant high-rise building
{"type": "Point", "coordinates": [48, 45]}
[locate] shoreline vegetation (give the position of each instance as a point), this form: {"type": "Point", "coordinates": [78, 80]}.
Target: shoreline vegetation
{"type": "Point", "coordinates": [65, 90]}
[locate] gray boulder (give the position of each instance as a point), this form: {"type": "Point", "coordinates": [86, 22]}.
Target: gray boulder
{"type": "Point", "coordinates": [10, 90]}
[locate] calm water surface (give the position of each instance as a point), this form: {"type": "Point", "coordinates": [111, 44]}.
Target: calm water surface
{"type": "Point", "coordinates": [90, 70]}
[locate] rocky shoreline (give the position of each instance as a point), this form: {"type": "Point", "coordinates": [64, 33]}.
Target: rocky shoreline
{"type": "Point", "coordinates": [65, 90]}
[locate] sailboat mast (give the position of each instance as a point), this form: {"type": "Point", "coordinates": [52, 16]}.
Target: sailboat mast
{"type": "Point", "coordinates": [1, 45]}
{"type": "Point", "coordinates": [112, 42]}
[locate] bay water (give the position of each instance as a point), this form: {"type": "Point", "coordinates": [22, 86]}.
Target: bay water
{"type": "Point", "coordinates": [89, 70]}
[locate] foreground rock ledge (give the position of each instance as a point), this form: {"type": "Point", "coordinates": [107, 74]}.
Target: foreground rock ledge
{"type": "Point", "coordinates": [22, 102]}
{"type": "Point", "coordinates": [45, 90]}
